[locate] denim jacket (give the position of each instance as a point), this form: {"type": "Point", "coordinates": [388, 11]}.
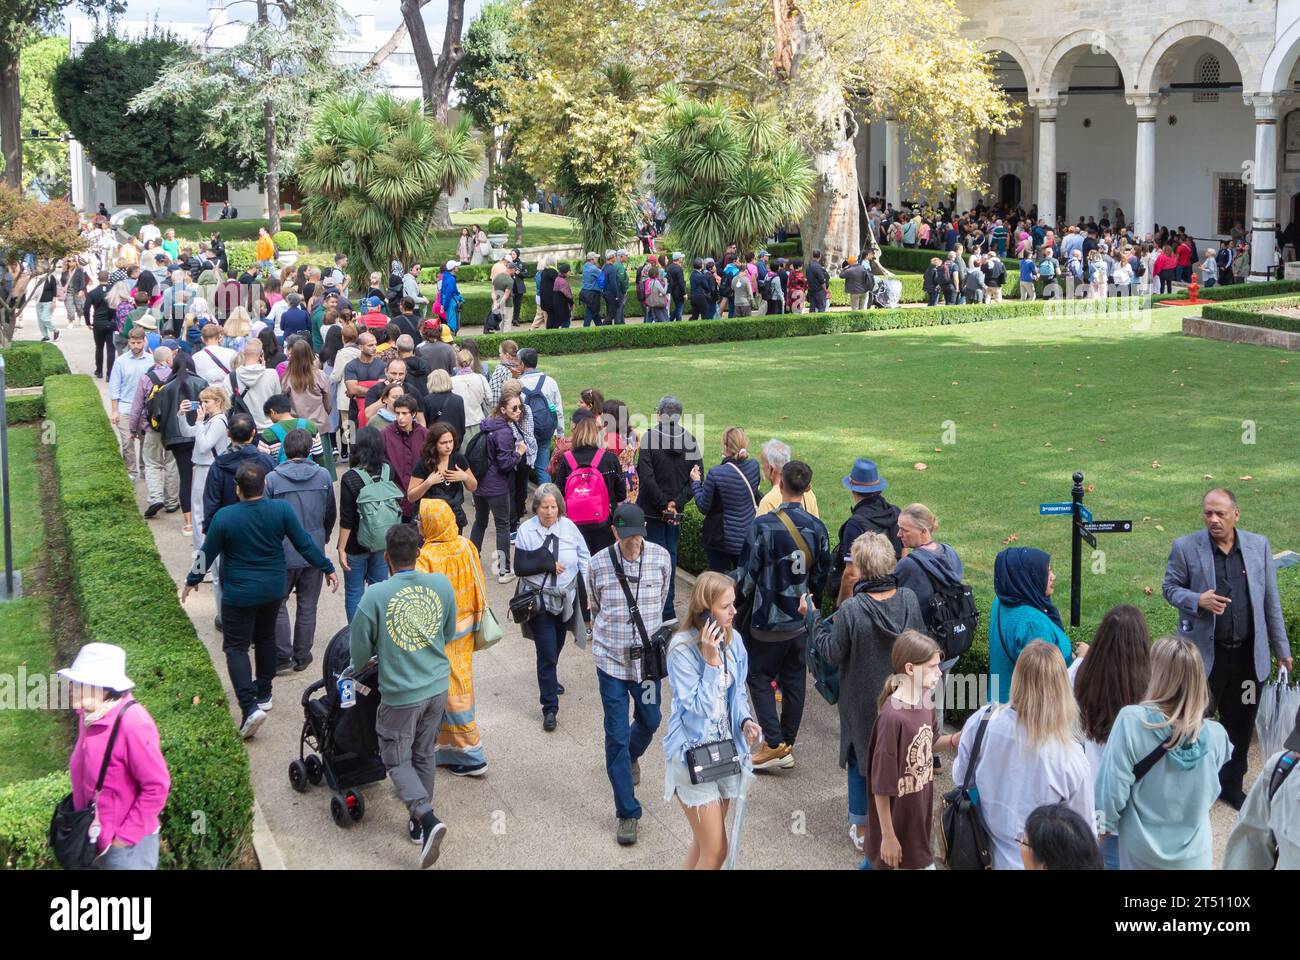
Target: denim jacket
{"type": "Point", "coordinates": [695, 686]}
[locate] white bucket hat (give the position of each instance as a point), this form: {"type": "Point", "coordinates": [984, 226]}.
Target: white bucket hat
{"type": "Point", "coordinates": [99, 665]}
{"type": "Point", "coordinates": [451, 265]}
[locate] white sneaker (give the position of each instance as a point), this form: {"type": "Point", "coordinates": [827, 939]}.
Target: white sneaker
{"type": "Point", "coordinates": [506, 577]}
{"type": "Point", "coordinates": [252, 722]}
{"type": "Point", "coordinates": [858, 836]}
{"type": "Point", "coordinates": [265, 705]}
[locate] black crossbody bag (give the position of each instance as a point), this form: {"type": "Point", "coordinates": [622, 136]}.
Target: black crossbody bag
{"type": "Point", "coordinates": [527, 601]}
{"type": "Point", "coordinates": [653, 651]}
{"type": "Point", "coordinates": [717, 760]}
{"type": "Point", "coordinates": [71, 829]}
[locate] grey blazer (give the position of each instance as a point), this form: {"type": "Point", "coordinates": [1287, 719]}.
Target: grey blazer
{"type": "Point", "coordinates": [1190, 573]}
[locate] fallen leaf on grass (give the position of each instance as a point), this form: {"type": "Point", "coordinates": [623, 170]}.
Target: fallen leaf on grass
{"type": "Point", "coordinates": [1024, 483]}
{"type": "Point", "coordinates": [1207, 477]}
{"type": "Point", "coordinates": [938, 449]}
{"type": "Point", "coordinates": [1148, 591]}
{"type": "Point", "coordinates": [1090, 488]}
{"type": "Point", "coordinates": [1048, 443]}
{"type": "Point", "coordinates": [785, 418]}
{"type": "Point", "coordinates": [1011, 539]}
{"type": "Point", "coordinates": [1246, 477]}
{"type": "Point", "coordinates": [919, 466]}
{"type": "Point", "coordinates": [197, 700]}
{"type": "Point", "coordinates": [1069, 449]}
{"type": "Point", "coordinates": [1160, 528]}
{"type": "Point", "coordinates": [1155, 464]}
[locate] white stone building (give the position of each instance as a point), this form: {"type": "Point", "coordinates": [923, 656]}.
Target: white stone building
{"type": "Point", "coordinates": [1184, 116]}
{"type": "Point", "coordinates": [91, 186]}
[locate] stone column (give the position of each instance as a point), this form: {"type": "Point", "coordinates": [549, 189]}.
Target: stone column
{"type": "Point", "coordinates": [183, 198]}
{"type": "Point", "coordinates": [1046, 173]}
{"type": "Point", "coordinates": [893, 160]}
{"type": "Point", "coordinates": [1263, 238]}
{"type": "Point", "coordinates": [1144, 178]}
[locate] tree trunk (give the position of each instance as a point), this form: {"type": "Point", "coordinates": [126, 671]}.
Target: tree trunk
{"type": "Point", "coordinates": [11, 140]}
{"type": "Point", "coordinates": [435, 75]}
{"type": "Point", "coordinates": [268, 122]}
{"type": "Point", "coordinates": [153, 198]}
{"type": "Point", "coordinates": [831, 223]}
{"type": "Point", "coordinates": [491, 168]}
{"type": "Point", "coordinates": [167, 201]}
{"type": "Point", "coordinates": [519, 223]}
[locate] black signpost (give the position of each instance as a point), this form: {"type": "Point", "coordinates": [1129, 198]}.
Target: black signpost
{"type": "Point", "coordinates": [1083, 527]}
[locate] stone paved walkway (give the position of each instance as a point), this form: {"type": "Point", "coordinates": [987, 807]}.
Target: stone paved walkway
{"type": "Point", "coordinates": [546, 801]}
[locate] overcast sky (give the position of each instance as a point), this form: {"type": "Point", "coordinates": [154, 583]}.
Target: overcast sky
{"type": "Point", "coordinates": [386, 12]}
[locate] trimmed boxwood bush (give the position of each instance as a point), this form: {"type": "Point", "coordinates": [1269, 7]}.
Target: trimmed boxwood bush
{"type": "Point", "coordinates": [127, 597]}
{"type": "Point", "coordinates": [1241, 291]}
{"type": "Point", "coordinates": [240, 255]}
{"type": "Point", "coordinates": [25, 409]}
{"type": "Point", "coordinates": [498, 225]}
{"type": "Point", "coordinates": [27, 364]}
{"type": "Point", "coordinates": [285, 240]}
{"type": "Point", "coordinates": [642, 335]}
{"type": "Point", "coordinates": [1252, 314]}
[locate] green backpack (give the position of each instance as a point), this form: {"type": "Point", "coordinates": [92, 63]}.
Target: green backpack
{"type": "Point", "coordinates": [377, 509]}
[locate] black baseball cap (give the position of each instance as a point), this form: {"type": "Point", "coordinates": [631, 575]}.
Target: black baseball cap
{"type": "Point", "coordinates": [629, 521]}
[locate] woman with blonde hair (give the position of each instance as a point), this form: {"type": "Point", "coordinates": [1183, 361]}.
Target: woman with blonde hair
{"type": "Point", "coordinates": [237, 329]}
{"type": "Point", "coordinates": [311, 396]}
{"type": "Point", "coordinates": [1029, 754]}
{"type": "Point", "coordinates": [707, 667]}
{"type": "Point", "coordinates": [445, 551]}
{"type": "Point", "coordinates": [861, 644]}
{"type": "Point", "coordinates": [1159, 774]}
{"type": "Point", "coordinates": [728, 498]}
{"type": "Point", "coordinates": [211, 440]}
{"type": "Point", "coordinates": [472, 388]}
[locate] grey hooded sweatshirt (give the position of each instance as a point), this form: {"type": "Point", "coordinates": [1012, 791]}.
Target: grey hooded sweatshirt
{"type": "Point", "coordinates": [308, 489]}
{"type": "Point", "coordinates": [861, 641]}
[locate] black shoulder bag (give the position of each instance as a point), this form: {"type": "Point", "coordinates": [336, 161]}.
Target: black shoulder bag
{"type": "Point", "coordinates": [965, 834]}
{"type": "Point", "coordinates": [653, 650]}
{"type": "Point", "coordinates": [717, 759]}
{"type": "Point", "coordinates": [74, 834]}
{"type": "Point", "coordinates": [527, 601]}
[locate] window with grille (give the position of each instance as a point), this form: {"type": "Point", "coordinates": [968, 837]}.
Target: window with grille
{"type": "Point", "coordinates": [129, 192]}
{"type": "Point", "coordinates": [213, 192]}
{"type": "Point", "coordinates": [1231, 204]}
{"type": "Point", "coordinates": [1207, 71]}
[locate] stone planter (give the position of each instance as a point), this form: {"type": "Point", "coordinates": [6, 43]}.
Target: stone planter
{"type": "Point", "coordinates": [288, 257]}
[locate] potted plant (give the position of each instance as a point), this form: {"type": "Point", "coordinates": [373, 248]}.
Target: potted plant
{"type": "Point", "coordinates": [286, 245]}
{"type": "Point", "coordinates": [497, 231]}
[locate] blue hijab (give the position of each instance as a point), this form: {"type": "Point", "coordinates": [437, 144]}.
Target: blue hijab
{"type": "Point", "coordinates": [1020, 579]}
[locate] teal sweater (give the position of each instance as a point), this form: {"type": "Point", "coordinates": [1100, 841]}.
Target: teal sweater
{"type": "Point", "coordinates": [1011, 629]}
{"type": "Point", "coordinates": [1163, 820]}
{"type": "Point", "coordinates": [249, 538]}
{"type": "Point", "coordinates": [421, 609]}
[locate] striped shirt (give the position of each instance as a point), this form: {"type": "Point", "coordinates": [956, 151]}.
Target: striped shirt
{"type": "Point", "coordinates": [613, 632]}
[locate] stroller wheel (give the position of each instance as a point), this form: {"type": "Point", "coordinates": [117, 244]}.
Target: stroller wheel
{"type": "Point", "coordinates": [356, 804]}
{"type": "Point", "coordinates": [339, 811]}
{"type": "Point", "coordinates": [315, 769]}
{"type": "Point", "coordinates": [298, 776]}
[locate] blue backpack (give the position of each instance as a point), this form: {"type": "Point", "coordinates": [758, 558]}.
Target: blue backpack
{"type": "Point", "coordinates": [544, 422]}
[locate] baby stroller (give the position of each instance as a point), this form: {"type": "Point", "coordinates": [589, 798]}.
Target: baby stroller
{"type": "Point", "coordinates": [888, 292]}
{"type": "Point", "coordinates": [347, 749]}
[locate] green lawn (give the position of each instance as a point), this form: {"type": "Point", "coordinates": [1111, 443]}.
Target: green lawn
{"type": "Point", "coordinates": [1029, 402]}
{"type": "Point", "coordinates": [32, 742]}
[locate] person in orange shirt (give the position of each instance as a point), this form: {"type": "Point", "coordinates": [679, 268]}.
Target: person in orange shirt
{"type": "Point", "coordinates": [265, 249]}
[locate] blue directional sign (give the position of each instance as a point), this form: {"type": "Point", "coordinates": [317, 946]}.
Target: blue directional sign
{"type": "Point", "coordinates": [1085, 513]}
{"type": "Point", "coordinates": [1055, 509]}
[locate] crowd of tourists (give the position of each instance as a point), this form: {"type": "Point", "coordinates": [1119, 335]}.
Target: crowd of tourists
{"type": "Point", "coordinates": [1084, 755]}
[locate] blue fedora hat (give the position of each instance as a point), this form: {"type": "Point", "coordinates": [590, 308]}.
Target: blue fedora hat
{"type": "Point", "coordinates": [865, 478]}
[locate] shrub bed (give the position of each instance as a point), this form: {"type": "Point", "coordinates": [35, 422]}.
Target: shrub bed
{"type": "Point", "coordinates": [25, 409]}
{"type": "Point", "coordinates": [127, 597]}
{"type": "Point", "coordinates": [285, 240]}
{"type": "Point", "coordinates": [240, 255]}
{"type": "Point", "coordinates": [641, 335]}
{"type": "Point", "coordinates": [28, 363]}
{"type": "Point", "coordinates": [1252, 314]}
{"type": "Point", "coordinates": [1241, 291]}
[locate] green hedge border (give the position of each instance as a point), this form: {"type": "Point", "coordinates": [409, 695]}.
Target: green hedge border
{"type": "Point", "coordinates": [650, 335]}
{"type": "Point", "coordinates": [127, 597]}
{"type": "Point", "coordinates": [1252, 314]}
{"type": "Point", "coordinates": [29, 362]}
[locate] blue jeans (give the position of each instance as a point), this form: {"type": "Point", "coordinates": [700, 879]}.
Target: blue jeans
{"type": "Point", "coordinates": [722, 562]}
{"type": "Point", "coordinates": [676, 314]}
{"type": "Point", "coordinates": [543, 459]}
{"type": "Point", "coordinates": [858, 798]}
{"type": "Point", "coordinates": [548, 635]}
{"type": "Point", "coordinates": [367, 568]}
{"type": "Point", "coordinates": [590, 307]}
{"type": "Point", "coordinates": [625, 742]}
{"type": "Point", "coordinates": [667, 536]}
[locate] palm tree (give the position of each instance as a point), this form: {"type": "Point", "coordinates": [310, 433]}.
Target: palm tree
{"type": "Point", "coordinates": [725, 174]}
{"type": "Point", "coordinates": [373, 169]}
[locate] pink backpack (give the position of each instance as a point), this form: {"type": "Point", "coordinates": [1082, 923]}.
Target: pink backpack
{"type": "Point", "coordinates": [586, 498]}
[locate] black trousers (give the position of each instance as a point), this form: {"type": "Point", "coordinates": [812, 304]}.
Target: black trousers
{"type": "Point", "coordinates": [519, 494]}
{"type": "Point", "coordinates": [243, 627]}
{"type": "Point", "coordinates": [1234, 693]}
{"type": "Point", "coordinates": [184, 454]}
{"type": "Point", "coordinates": [699, 307]}
{"type": "Point", "coordinates": [783, 662]}
{"type": "Point", "coordinates": [104, 348]}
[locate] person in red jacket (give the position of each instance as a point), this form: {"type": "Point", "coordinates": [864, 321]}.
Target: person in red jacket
{"type": "Point", "coordinates": [1184, 259]}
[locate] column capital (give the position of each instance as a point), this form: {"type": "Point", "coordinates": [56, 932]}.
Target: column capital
{"type": "Point", "coordinates": [1146, 105]}
{"type": "Point", "coordinates": [1267, 105]}
{"type": "Point", "coordinates": [1047, 106]}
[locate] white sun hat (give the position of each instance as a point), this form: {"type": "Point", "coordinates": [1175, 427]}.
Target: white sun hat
{"type": "Point", "coordinates": [99, 665]}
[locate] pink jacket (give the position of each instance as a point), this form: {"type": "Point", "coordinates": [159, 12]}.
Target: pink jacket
{"type": "Point", "coordinates": [136, 786]}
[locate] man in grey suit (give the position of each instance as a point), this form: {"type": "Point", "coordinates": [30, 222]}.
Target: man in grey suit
{"type": "Point", "coordinates": [1223, 582]}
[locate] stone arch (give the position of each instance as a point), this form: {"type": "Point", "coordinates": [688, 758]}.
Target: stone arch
{"type": "Point", "coordinates": [1054, 76]}
{"type": "Point", "coordinates": [1155, 67]}
{"type": "Point", "coordinates": [1276, 75]}
{"type": "Point", "coordinates": [1011, 48]}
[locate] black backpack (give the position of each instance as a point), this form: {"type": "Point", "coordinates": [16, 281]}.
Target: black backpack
{"type": "Point", "coordinates": [951, 616]}
{"type": "Point", "coordinates": [237, 403]}
{"type": "Point", "coordinates": [477, 455]}
{"type": "Point", "coordinates": [153, 401]}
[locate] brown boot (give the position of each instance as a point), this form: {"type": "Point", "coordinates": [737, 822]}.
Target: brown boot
{"type": "Point", "coordinates": [765, 757]}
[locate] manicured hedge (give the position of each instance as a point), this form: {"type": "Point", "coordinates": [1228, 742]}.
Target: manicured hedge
{"type": "Point", "coordinates": [127, 597]}
{"type": "Point", "coordinates": [285, 240]}
{"type": "Point", "coordinates": [1252, 314]}
{"type": "Point", "coordinates": [28, 363]}
{"type": "Point", "coordinates": [642, 335]}
{"type": "Point", "coordinates": [1241, 291]}
{"type": "Point", "coordinates": [240, 255]}
{"type": "Point", "coordinates": [25, 409]}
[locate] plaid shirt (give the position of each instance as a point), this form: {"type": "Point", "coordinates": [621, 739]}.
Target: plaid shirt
{"type": "Point", "coordinates": [613, 632]}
